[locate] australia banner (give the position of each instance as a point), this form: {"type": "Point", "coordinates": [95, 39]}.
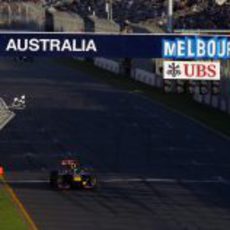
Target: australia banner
{"type": "Point", "coordinates": [167, 46]}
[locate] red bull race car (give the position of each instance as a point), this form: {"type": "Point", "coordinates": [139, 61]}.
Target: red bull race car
{"type": "Point", "coordinates": [72, 175]}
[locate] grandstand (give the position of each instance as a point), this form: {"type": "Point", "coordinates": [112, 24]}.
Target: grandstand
{"type": "Point", "coordinates": [187, 13]}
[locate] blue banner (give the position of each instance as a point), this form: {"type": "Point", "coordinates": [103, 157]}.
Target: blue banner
{"type": "Point", "coordinates": [168, 46]}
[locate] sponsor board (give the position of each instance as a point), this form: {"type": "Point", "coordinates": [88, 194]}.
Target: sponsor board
{"type": "Point", "coordinates": [191, 70]}
{"type": "Point", "coordinates": [115, 45]}
{"type": "Point", "coordinates": [197, 47]}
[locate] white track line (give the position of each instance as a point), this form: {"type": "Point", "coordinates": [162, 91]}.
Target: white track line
{"type": "Point", "coordinates": [128, 180]}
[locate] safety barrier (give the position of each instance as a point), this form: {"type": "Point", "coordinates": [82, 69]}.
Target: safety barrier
{"type": "Point", "coordinates": [79, 58]}
{"type": "Point", "coordinates": [228, 106]}
{"type": "Point", "coordinates": [223, 105]}
{"type": "Point", "coordinates": [144, 76]}
{"type": "Point", "coordinates": [147, 77]}
{"type": "Point", "coordinates": [198, 98]}
{"type": "Point", "coordinates": [207, 99]}
{"type": "Point", "coordinates": [214, 101]}
{"type": "Point", "coordinates": [107, 64]}
{"type": "Point", "coordinates": [137, 74]}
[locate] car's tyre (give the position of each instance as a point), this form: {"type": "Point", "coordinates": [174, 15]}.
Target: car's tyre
{"type": "Point", "coordinates": [89, 182]}
{"type": "Point", "coordinates": [53, 180]}
{"type": "Point", "coordinates": [67, 181]}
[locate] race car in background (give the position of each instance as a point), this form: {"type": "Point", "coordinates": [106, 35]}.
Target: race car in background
{"type": "Point", "coordinates": [24, 59]}
{"type": "Point", "coordinates": [72, 175]}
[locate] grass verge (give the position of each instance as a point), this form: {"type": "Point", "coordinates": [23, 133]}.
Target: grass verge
{"type": "Point", "coordinates": [213, 118]}
{"type": "Point", "coordinates": [10, 217]}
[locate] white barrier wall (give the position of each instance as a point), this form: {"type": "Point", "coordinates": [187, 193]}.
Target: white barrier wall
{"type": "Point", "coordinates": [147, 77]}
{"type": "Point", "coordinates": [223, 105]}
{"type": "Point", "coordinates": [198, 98]}
{"type": "Point", "coordinates": [222, 101]}
{"type": "Point", "coordinates": [137, 74]}
{"type": "Point", "coordinates": [228, 104]}
{"type": "Point", "coordinates": [215, 101]}
{"type": "Point", "coordinates": [107, 64]}
{"type": "Point", "coordinates": [143, 76]}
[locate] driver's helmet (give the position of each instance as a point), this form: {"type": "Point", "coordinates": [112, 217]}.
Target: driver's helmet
{"type": "Point", "coordinates": [71, 163]}
{"type": "Point", "coordinates": [75, 164]}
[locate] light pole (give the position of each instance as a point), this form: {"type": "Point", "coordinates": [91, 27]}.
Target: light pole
{"type": "Point", "coordinates": [170, 16]}
{"type": "Point", "coordinates": [109, 9]}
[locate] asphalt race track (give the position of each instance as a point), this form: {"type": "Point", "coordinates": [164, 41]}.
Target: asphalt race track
{"type": "Point", "coordinates": [157, 169]}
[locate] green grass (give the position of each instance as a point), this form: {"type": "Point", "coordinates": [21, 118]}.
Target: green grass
{"type": "Point", "coordinates": [182, 103]}
{"type": "Point", "coordinates": [10, 218]}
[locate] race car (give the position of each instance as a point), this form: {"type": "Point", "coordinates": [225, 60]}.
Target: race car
{"type": "Point", "coordinates": [72, 175]}
{"type": "Point", "coordinates": [24, 59]}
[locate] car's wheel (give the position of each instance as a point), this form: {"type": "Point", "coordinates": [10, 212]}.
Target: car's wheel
{"type": "Point", "coordinates": [89, 182]}
{"type": "Point", "coordinates": [67, 181]}
{"type": "Point", "coordinates": [54, 179]}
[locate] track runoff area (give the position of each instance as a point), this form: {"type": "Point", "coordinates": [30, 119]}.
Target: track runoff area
{"type": "Point", "coordinates": [156, 168]}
